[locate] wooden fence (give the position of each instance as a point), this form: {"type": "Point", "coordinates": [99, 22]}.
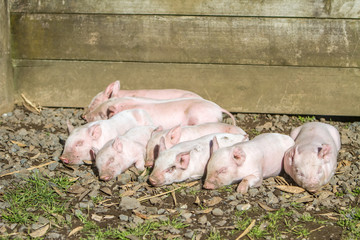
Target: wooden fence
{"type": "Point", "coordinates": [274, 56]}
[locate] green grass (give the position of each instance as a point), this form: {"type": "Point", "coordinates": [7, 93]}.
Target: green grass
{"type": "Point", "coordinates": [214, 235]}
{"type": "Point", "coordinates": [296, 205]}
{"type": "Point", "coordinates": [255, 132]}
{"type": "Point", "coordinates": [227, 188]}
{"type": "Point", "coordinates": [272, 225]}
{"type": "Point", "coordinates": [356, 191]}
{"type": "Point", "coordinates": [146, 230]}
{"type": "Point", "coordinates": [96, 200]}
{"type": "Point", "coordinates": [34, 198]}
{"type": "Point", "coordinates": [350, 222]}
{"type": "Point", "coordinates": [306, 119]}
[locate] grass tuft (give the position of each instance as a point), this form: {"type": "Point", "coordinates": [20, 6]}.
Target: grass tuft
{"type": "Point", "coordinates": [34, 198]}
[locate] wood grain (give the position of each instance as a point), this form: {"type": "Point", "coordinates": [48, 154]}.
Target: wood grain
{"type": "Point", "coordinates": [262, 89]}
{"type": "Point", "coordinates": [184, 39]}
{"type": "Point", "coordinates": [6, 77]}
{"type": "Point", "coordinates": [254, 8]}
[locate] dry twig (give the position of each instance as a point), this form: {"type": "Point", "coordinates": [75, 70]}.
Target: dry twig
{"type": "Point", "coordinates": [247, 230]}
{"type": "Point", "coordinates": [28, 169]}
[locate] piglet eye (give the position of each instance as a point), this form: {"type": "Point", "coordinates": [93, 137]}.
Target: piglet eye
{"type": "Point", "coordinates": [222, 170]}
{"type": "Point", "coordinates": [171, 169]}
{"type": "Point", "coordinates": [79, 144]}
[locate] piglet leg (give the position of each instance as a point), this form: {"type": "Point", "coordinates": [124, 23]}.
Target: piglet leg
{"type": "Point", "coordinates": [140, 164]}
{"type": "Point", "coordinates": [247, 182]}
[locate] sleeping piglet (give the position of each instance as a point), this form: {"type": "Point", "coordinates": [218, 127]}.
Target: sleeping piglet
{"type": "Point", "coordinates": [119, 154]}
{"type": "Point", "coordinates": [186, 133]}
{"type": "Point", "coordinates": [311, 162]}
{"type": "Point", "coordinates": [166, 113]}
{"type": "Point", "coordinates": [249, 161]}
{"type": "Point", "coordinates": [113, 91]}
{"type": "Point", "coordinates": [82, 139]}
{"type": "Point", "coordinates": [187, 160]}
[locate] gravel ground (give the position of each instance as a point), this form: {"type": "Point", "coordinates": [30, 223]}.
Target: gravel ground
{"type": "Point", "coordinates": [94, 209]}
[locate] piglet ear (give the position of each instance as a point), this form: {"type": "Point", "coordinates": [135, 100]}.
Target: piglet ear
{"type": "Point", "coordinates": [324, 151]}
{"type": "Point", "coordinates": [95, 131]}
{"type": "Point", "coordinates": [157, 129]}
{"type": "Point", "coordinates": [289, 155]}
{"type": "Point", "coordinates": [239, 156]}
{"type": "Point", "coordinates": [162, 145]}
{"type": "Point", "coordinates": [116, 88]}
{"type": "Point", "coordinates": [93, 152]}
{"type": "Point", "coordinates": [117, 145]}
{"type": "Point", "coordinates": [69, 126]}
{"type": "Point", "coordinates": [182, 160]}
{"type": "Point", "coordinates": [214, 145]}
{"type": "Point", "coordinates": [111, 111]}
{"type": "Point", "coordinates": [174, 134]}
{"type": "Point", "coordinates": [112, 89]}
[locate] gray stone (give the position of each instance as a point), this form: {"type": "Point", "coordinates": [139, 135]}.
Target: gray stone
{"type": "Point", "coordinates": [86, 205]}
{"type": "Point", "coordinates": [284, 118]}
{"type": "Point", "coordinates": [243, 207]}
{"type": "Point", "coordinates": [137, 220]}
{"type": "Point", "coordinates": [53, 235]}
{"type": "Point", "coordinates": [52, 166]}
{"type": "Point", "coordinates": [221, 223]}
{"type": "Point", "coordinates": [272, 199]}
{"type": "Point", "coordinates": [4, 205]}
{"type": "Point", "coordinates": [78, 212]}
{"type": "Point", "coordinates": [189, 234]}
{"type": "Point", "coordinates": [253, 192]}
{"type": "Point", "coordinates": [163, 218]}
{"type": "Point", "coordinates": [161, 211]}
{"type": "Point", "coordinates": [129, 203]}
{"type": "Point", "coordinates": [202, 220]}
{"type": "Point", "coordinates": [217, 212]}
{"type": "Point", "coordinates": [186, 215]}
{"type": "Point", "coordinates": [22, 132]}
{"type": "Point", "coordinates": [123, 217]}
{"type": "Point", "coordinates": [124, 178]}
{"type": "Point", "coordinates": [152, 210]}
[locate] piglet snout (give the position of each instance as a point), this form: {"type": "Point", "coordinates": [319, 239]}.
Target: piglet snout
{"type": "Point", "coordinates": [64, 159]}
{"type": "Point", "coordinates": [209, 185]}
{"type": "Point", "coordinates": [149, 163]}
{"type": "Point", "coordinates": [154, 181]}
{"type": "Point", "coordinates": [105, 178]}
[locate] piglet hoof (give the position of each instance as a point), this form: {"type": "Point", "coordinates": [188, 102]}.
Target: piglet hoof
{"type": "Point", "coordinates": [243, 186]}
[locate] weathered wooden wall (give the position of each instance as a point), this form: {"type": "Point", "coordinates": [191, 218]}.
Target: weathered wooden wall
{"type": "Point", "coordinates": [6, 80]}
{"type": "Point", "coordinates": [275, 56]}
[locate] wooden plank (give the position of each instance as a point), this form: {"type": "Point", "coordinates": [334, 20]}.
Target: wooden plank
{"type": "Point", "coordinates": [222, 40]}
{"type": "Point", "coordinates": [268, 8]}
{"type": "Point", "coordinates": [238, 88]}
{"type": "Point", "coordinates": [6, 90]}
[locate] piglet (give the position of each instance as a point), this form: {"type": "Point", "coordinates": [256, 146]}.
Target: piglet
{"type": "Point", "coordinates": [113, 91]}
{"type": "Point", "coordinates": [119, 154]}
{"type": "Point", "coordinates": [82, 139]}
{"type": "Point", "coordinates": [187, 160]}
{"type": "Point", "coordinates": [167, 113]}
{"type": "Point", "coordinates": [250, 161]}
{"type": "Point", "coordinates": [186, 133]}
{"type": "Point", "coordinates": [311, 162]}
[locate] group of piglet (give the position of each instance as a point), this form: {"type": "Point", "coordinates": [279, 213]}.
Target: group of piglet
{"type": "Point", "coordinates": [180, 135]}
